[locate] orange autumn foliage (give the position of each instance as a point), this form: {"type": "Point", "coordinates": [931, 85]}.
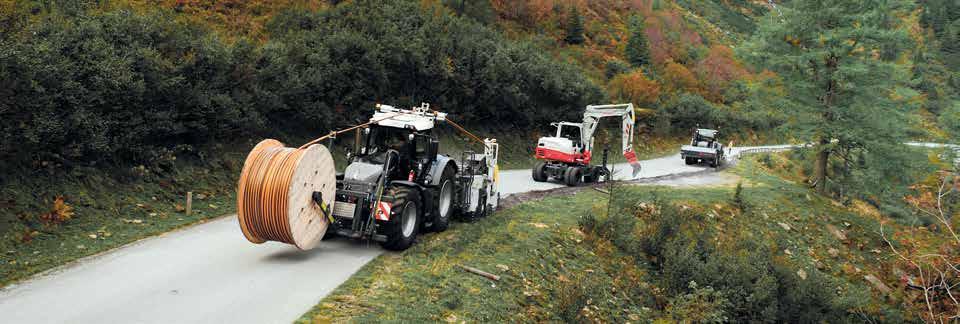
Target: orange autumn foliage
{"type": "Point", "coordinates": [234, 17]}
{"type": "Point", "coordinates": [527, 12]}
{"type": "Point", "coordinates": [670, 38]}
{"type": "Point", "coordinates": [60, 213]}
{"type": "Point", "coordinates": [634, 87]}
{"type": "Point", "coordinates": [926, 257]}
{"type": "Point", "coordinates": [677, 77]}
{"type": "Point", "coordinates": [717, 70]}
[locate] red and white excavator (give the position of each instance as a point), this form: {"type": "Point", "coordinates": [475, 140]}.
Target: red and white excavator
{"type": "Point", "coordinates": [567, 155]}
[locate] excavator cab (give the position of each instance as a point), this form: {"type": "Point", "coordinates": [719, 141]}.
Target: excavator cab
{"type": "Point", "coordinates": [573, 132]}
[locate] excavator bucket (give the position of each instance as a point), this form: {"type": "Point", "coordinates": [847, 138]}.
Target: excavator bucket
{"type": "Point", "coordinates": [634, 163]}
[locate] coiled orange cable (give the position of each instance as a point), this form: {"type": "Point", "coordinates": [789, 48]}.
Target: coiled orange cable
{"type": "Point", "coordinates": [263, 192]}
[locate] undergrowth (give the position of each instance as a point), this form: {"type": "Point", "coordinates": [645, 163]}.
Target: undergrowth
{"type": "Point", "coordinates": [766, 250]}
{"type": "Point", "coordinates": [51, 216]}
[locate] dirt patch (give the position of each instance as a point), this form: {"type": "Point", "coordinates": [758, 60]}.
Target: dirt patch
{"type": "Point", "coordinates": [519, 198]}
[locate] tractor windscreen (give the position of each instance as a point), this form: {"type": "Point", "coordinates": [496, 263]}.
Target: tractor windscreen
{"type": "Point", "coordinates": [707, 133]}
{"type": "Point", "coordinates": [380, 139]}
{"type": "Point", "coordinates": [383, 138]}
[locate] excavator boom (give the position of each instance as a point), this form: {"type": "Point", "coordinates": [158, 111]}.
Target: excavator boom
{"type": "Point", "coordinates": [591, 118]}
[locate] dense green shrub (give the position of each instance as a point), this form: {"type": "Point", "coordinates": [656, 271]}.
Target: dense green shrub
{"type": "Point", "coordinates": [97, 85]}
{"type": "Point", "coordinates": [117, 85]}
{"type": "Point", "coordinates": [739, 283]}
{"type": "Point", "coordinates": [395, 52]}
{"type": "Point", "coordinates": [614, 67]}
{"type": "Point", "coordinates": [688, 110]}
{"type": "Point", "coordinates": [950, 119]}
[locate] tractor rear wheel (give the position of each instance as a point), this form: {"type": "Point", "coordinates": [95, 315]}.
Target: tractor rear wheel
{"type": "Point", "coordinates": [404, 223]}
{"type": "Point", "coordinates": [539, 172]}
{"type": "Point", "coordinates": [444, 204]}
{"type": "Point", "coordinates": [573, 176]}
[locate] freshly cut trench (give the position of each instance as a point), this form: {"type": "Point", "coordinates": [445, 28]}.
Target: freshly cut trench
{"type": "Point", "coordinates": [275, 193]}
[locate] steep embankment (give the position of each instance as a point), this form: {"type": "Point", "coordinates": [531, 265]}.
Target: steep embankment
{"type": "Point", "coordinates": [765, 249]}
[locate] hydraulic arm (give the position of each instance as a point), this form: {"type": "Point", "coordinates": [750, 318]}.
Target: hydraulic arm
{"type": "Point", "coordinates": [591, 118]}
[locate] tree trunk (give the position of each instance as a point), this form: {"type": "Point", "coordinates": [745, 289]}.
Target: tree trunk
{"type": "Point", "coordinates": [820, 168]}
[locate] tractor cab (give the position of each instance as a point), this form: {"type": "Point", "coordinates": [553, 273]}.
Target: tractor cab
{"type": "Point", "coordinates": [704, 147]}
{"type": "Point", "coordinates": [397, 185]}
{"type": "Point", "coordinates": [409, 134]}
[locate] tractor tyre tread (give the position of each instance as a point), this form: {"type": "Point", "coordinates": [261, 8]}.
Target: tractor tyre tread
{"type": "Point", "coordinates": [398, 197]}
{"type": "Point", "coordinates": [441, 222]}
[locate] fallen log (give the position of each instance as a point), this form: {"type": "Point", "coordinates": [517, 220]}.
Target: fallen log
{"type": "Point", "coordinates": [480, 272]}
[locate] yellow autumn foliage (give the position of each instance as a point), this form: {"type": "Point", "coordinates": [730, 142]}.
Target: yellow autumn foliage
{"type": "Point", "coordinates": [60, 213]}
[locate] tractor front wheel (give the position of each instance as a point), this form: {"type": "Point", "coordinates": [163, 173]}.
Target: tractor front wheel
{"type": "Point", "coordinates": [405, 213]}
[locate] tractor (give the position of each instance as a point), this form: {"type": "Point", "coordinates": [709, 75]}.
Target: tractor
{"type": "Point", "coordinates": [397, 185]}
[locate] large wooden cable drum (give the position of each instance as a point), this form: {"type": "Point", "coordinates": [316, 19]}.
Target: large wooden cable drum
{"type": "Point", "coordinates": [275, 193]}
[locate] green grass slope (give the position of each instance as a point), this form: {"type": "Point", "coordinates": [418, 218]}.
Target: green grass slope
{"type": "Point", "coordinates": [766, 250]}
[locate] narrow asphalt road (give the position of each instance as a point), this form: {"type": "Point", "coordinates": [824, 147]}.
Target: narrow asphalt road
{"type": "Point", "coordinates": [209, 273]}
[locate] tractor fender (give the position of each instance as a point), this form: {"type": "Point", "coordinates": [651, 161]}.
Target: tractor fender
{"type": "Point", "coordinates": [410, 184]}
{"type": "Point", "coordinates": [437, 167]}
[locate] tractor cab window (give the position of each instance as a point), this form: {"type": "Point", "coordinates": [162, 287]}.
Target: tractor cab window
{"type": "Point", "coordinates": [572, 133]}
{"type": "Point", "coordinates": [384, 138]}
{"type": "Point", "coordinates": [420, 147]}
{"type": "Point", "coordinates": [380, 139]}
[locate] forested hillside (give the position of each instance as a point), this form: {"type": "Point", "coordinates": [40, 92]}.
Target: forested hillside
{"type": "Point", "coordinates": [657, 54]}
{"type": "Point", "coordinates": [73, 76]}
{"type": "Point", "coordinates": [110, 111]}
{"type": "Point", "coordinates": [674, 55]}
{"type": "Point", "coordinates": [204, 72]}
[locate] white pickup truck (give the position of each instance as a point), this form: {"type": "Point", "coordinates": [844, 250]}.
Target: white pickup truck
{"type": "Point", "coordinates": [704, 148]}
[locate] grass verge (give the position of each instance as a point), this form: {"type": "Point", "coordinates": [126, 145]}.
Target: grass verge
{"type": "Point", "coordinates": [105, 208]}
{"type": "Point", "coordinates": [766, 250]}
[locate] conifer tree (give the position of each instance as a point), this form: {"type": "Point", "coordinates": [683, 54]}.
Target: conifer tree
{"type": "Point", "coordinates": [830, 55]}
{"type": "Point", "coordinates": [574, 27]}
{"type": "Point", "coordinates": [637, 50]}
